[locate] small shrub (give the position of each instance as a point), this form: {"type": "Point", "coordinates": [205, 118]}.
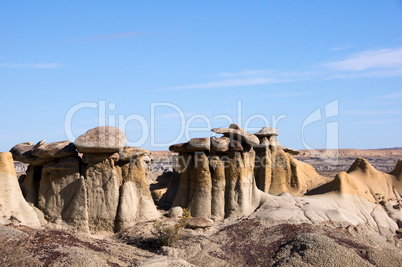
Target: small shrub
{"type": "Point", "coordinates": [168, 235]}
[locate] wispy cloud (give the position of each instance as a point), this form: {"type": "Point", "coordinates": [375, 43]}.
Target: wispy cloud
{"type": "Point", "coordinates": [372, 112]}
{"type": "Point", "coordinates": [367, 64]}
{"type": "Point", "coordinates": [371, 122]}
{"type": "Point", "coordinates": [364, 74]}
{"type": "Point", "coordinates": [246, 73]}
{"type": "Point", "coordinates": [115, 35]}
{"type": "Point", "coordinates": [286, 94]}
{"type": "Point", "coordinates": [391, 95]}
{"type": "Point", "coordinates": [224, 83]}
{"type": "Point", "coordinates": [370, 60]}
{"type": "Point", "coordinates": [341, 47]}
{"type": "Point", "coordinates": [246, 78]}
{"type": "Point", "coordinates": [31, 65]}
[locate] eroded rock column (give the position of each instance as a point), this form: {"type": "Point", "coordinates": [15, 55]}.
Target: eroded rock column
{"type": "Point", "coordinates": [102, 183]}
{"type": "Point", "coordinates": [135, 203]}
{"type": "Point", "coordinates": [276, 171]}
{"type": "Point", "coordinates": [62, 193]}
{"type": "Point", "coordinates": [217, 174]}
{"type": "Point", "coordinates": [95, 184]}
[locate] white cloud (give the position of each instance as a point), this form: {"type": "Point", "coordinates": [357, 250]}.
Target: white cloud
{"type": "Point", "coordinates": [224, 83]}
{"type": "Point", "coordinates": [31, 65]}
{"type": "Point", "coordinates": [370, 60]}
{"type": "Point", "coordinates": [367, 64]}
{"type": "Point", "coordinates": [341, 47]}
{"type": "Point", "coordinates": [365, 74]}
{"type": "Point", "coordinates": [249, 77]}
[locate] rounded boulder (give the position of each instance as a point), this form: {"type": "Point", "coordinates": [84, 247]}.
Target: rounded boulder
{"type": "Point", "coordinates": [102, 139]}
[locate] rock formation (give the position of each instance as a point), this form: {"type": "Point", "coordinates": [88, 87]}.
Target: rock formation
{"type": "Point", "coordinates": [216, 174]}
{"type": "Point", "coordinates": [93, 184]}
{"type": "Point", "coordinates": [102, 139]}
{"type": "Point", "coordinates": [136, 202]}
{"type": "Point", "coordinates": [364, 180]}
{"type": "Point", "coordinates": [220, 177]}
{"type": "Point", "coordinates": [62, 193]}
{"type": "Point", "coordinates": [276, 171]}
{"type": "Point", "coordinates": [13, 207]}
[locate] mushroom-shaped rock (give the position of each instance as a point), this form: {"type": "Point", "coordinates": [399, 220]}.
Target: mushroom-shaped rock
{"type": "Point", "coordinates": [23, 152]}
{"type": "Point", "coordinates": [195, 144]}
{"type": "Point", "coordinates": [102, 139]}
{"type": "Point", "coordinates": [290, 151]}
{"type": "Point", "coordinates": [238, 134]}
{"type": "Point", "coordinates": [217, 185]}
{"type": "Point", "coordinates": [60, 149]}
{"type": "Point", "coordinates": [129, 153]}
{"type": "Point", "coordinates": [266, 131]}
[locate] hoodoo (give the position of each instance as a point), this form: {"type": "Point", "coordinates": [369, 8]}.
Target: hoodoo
{"type": "Point", "coordinates": [216, 174]}
{"type": "Point", "coordinates": [276, 171]}
{"type": "Point", "coordinates": [94, 184]}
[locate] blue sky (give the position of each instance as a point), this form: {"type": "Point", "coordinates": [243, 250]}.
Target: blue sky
{"type": "Point", "coordinates": [160, 69]}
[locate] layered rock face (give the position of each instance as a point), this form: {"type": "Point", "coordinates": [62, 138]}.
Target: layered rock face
{"type": "Point", "coordinates": [99, 187]}
{"type": "Point", "coordinates": [276, 171]}
{"type": "Point", "coordinates": [216, 174]}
